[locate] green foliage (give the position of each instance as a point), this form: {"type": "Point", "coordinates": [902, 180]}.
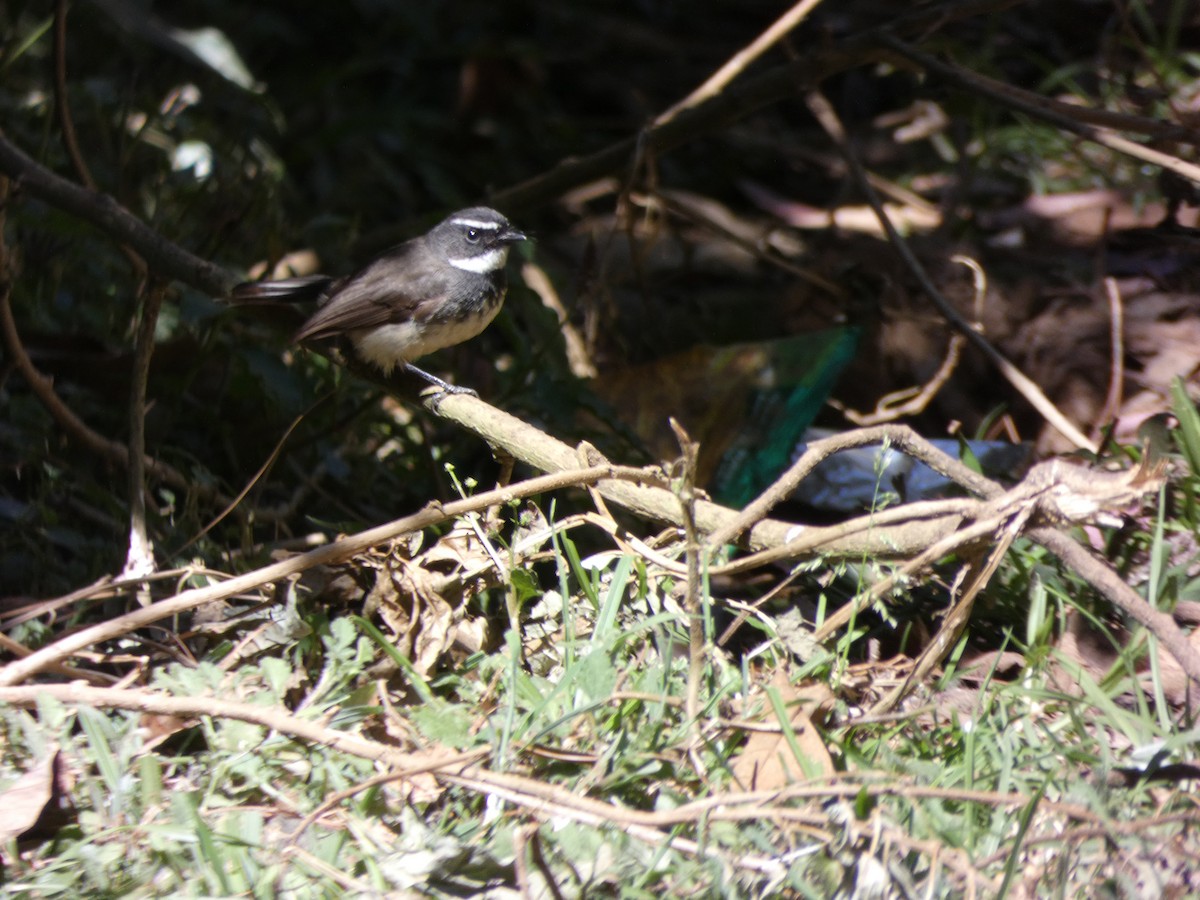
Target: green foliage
{"type": "Point", "coordinates": [201, 815]}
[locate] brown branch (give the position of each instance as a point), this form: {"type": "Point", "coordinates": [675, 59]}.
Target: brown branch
{"type": "Point", "coordinates": [877, 535]}
{"type": "Point", "coordinates": [75, 427]}
{"type": "Point", "coordinates": [900, 436]}
{"type": "Point", "coordinates": [101, 210]}
{"type": "Point", "coordinates": [1105, 579]}
{"type": "Point", "coordinates": [61, 106]}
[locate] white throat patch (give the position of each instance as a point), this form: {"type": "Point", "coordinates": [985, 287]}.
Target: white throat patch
{"type": "Point", "coordinates": [485, 262]}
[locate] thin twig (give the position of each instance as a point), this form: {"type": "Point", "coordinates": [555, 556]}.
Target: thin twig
{"type": "Point", "coordinates": [685, 490]}
{"type": "Point", "coordinates": [1116, 375]}
{"type": "Point", "coordinates": [101, 210]}
{"type": "Point", "coordinates": [1108, 582]}
{"type": "Point", "coordinates": [61, 104]}
{"type": "Point", "coordinates": [66, 646]}
{"type": "Point", "coordinates": [899, 435]}
{"type": "Point", "coordinates": [913, 400]}
{"type": "Point", "coordinates": [829, 120]}
{"type": "Point", "coordinates": [1069, 117]}
{"type": "Point", "coordinates": [737, 63]}
{"type": "Point", "coordinates": [578, 358]}
{"type": "Point", "coordinates": [139, 559]}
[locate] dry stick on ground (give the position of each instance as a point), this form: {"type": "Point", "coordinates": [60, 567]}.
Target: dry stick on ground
{"type": "Point", "coordinates": [1078, 491]}
{"type": "Point", "coordinates": [549, 800]}
{"type": "Point", "coordinates": [899, 534]}
{"type": "Point", "coordinates": [913, 400]}
{"type": "Point", "coordinates": [910, 401]}
{"type": "Point", "coordinates": [1116, 377]}
{"type": "Point", "coordinates": [17, 671]}
{"type": "Point", "coordinates": [829, 120]}
{"type": "Point", "coordinates": [898, 435]}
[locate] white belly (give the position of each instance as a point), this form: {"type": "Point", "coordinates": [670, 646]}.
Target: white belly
{"type": "Point", "coordinates": [390, 345]}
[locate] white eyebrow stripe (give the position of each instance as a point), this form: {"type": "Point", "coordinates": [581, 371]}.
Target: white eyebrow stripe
{"type": "Point", "coordinates": [476, 223]}
{"type": "Point", "coordinates": [484, 262]}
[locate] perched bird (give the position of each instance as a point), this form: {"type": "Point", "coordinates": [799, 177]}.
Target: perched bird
{"type": "Point", "coordinates": [433, 291]}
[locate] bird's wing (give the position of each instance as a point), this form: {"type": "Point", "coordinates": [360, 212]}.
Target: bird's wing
{"type": "Point", "coordinates": [386, 291]}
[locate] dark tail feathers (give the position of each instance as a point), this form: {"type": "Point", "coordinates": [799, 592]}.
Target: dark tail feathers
{"type": "Point", "coordinates": [286, 290]}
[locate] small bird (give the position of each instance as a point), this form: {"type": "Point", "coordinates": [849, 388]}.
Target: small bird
{"type": "Point", "coordinates": [433, 291]}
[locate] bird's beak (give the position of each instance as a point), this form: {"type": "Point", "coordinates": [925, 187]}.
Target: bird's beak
{"type": "Point", "coordinates": [510, 235]}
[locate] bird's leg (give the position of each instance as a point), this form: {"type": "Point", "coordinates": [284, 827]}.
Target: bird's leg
{"type": "Point", "coordinates": [437, 382]}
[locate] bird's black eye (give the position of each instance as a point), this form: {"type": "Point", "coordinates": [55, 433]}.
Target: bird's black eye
{"type": "Point", "coordinates": [473, 235]}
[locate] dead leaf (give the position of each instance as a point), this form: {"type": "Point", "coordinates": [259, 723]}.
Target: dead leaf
{"type": "Point", "coordinates": [767, 761]}
{"type": "Point", "coordinates": [34, 801]}
{"type": "Point", "coordinates": [421, 600]}
{"type": "Point", "coordinates": [159, 727]}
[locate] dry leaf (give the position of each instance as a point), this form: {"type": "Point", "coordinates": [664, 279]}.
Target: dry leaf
{"type": "Point", "coordinates": [767, 761]}
{"type": "Point", "coordinates": [421, 600]}
{"type": "Point", "coordinates": [33, 799]}
{"type": "Point", "coordinates": [158, 727]}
